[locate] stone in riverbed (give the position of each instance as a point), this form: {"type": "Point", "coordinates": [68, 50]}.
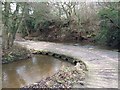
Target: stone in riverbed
{"type": "Point", "coordinates": [63, 57]}
{"type": "Point", "coordinates": [50, 53]}
{"type": "Point", "coordinates": [40, 52]}
{"type": "Point", "coordinates": [44, 53]}
{"type": "Point", "coordinates": [70, 59]}
{"type": "Point", "coordinates": [57, 55]}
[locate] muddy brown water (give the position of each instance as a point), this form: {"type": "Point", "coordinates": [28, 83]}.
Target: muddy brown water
{"type": "Point", "coordinates": [25, 72]}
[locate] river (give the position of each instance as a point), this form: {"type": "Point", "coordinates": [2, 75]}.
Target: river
{"type": "Point", "coordinates": [102, 63]}
{"type": "Point", "coordinates": [25, 72]}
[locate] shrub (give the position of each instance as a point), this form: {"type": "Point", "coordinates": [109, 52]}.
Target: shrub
{"type": "Point", "coordinates": [109, 27]}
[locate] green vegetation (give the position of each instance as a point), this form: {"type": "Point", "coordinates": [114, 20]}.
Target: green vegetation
{"type": "Point", "coordinates": [74, 22]}
{"type": "Point", "coordinates": [109, 27]}
{"type": "Point", "coordinates": [61, 22]}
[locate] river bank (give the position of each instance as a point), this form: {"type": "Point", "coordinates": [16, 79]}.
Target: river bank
{"type": "Point", "coordinates": [14, 54]}
{"type": "Point", "coordinates": [67, 77]}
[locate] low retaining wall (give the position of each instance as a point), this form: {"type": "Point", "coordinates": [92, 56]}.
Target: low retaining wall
{"type": "Point", "coordinates": [70, 59]}
{"type": "Point", "coordinates": [67, 58]}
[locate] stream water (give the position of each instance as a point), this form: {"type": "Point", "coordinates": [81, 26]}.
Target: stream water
{"type": "Point", "coordinates": [25, 72]}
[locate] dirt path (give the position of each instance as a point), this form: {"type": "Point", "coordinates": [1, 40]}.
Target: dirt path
{"type": "Point", "coordinates": [102, 64]}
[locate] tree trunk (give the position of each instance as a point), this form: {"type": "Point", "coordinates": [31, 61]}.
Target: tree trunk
{"type": "Point", "coordinates": [6, 26]}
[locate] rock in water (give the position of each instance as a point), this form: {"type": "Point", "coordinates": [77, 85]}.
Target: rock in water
{"type": "Point", "coordinates": [78, 66]}
{"type": "Point", "coordinates": [76, 44]}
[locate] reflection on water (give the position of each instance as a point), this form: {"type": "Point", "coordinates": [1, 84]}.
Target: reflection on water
{"type": "Point", "coordinates": [21, 73]}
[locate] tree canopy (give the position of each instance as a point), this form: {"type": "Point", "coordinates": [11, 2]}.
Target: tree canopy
{"type": "Point", "coordinates": [61, 21]}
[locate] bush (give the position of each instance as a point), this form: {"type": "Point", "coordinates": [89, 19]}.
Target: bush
{"type": "Point", "coordinates": [109, 27]}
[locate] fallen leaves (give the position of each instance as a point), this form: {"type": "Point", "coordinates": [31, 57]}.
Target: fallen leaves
{"type": "Point", "coordinates": [67, 77]}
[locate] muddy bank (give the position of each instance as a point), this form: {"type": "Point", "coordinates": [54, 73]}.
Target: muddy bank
{"type": "Point", "coordinates": [67, 77]}
{"type": "Point", "coordinates": [14, 54]}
